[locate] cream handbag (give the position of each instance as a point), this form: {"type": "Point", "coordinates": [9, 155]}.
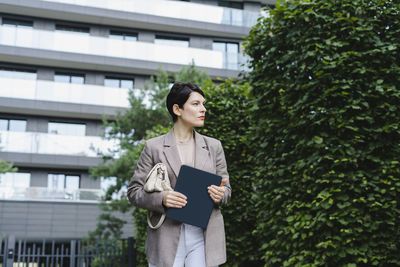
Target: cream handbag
{"type": "Point", "coordinates": [157, 181]}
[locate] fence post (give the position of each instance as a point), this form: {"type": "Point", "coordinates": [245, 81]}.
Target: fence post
{"type": "Point", "coordinates": [131, 252]}
{"type": "Point", "coordinates": [10, 251]}
{"type": "Point", "coordinates": [72, 255]}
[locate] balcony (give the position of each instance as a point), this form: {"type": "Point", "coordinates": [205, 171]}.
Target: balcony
{"type": "Point", "coordinates": [63, 92]}
{"type": "Point", "coordinates": [100, 46]}
{"type": "Point", "coordinates": [44, 193]}
{"type": "Point", "coordinates": [175, 9]}
{"type": "Point", "coordinates": [44, 143]}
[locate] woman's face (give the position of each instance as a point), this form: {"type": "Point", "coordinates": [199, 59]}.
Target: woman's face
{"type": "Point", "coordinates": [193, 112]}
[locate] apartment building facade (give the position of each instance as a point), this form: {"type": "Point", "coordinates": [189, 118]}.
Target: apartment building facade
{"type": "Point", "coordinates": [66, 63]}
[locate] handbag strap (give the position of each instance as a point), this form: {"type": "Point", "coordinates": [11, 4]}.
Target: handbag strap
{"type": "Point", "coordinates": [158, 225]}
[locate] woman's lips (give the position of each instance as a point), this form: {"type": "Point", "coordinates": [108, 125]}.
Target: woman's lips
{"type": "Point", "coordinates": [202, 117]}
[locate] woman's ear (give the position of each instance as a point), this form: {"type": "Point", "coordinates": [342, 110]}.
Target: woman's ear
{"type": "Point", "coordinates": [176, 109]}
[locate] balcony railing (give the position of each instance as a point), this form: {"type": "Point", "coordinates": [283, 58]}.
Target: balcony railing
{"type": "Point", "coordinates": [86, 44]}
{"type": "Point", "coordinates": [64, 92]}
{"type": "Point", "coordinates": [43, 143]}
{"type": "Point", "coordinates": [44, 193]}
{"type": "Point", "coordinates": [175, 9]}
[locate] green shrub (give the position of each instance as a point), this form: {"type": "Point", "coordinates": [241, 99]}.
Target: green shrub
{"type": "Point", "coordinates": [229, 106]}
{"type": "Point", "coordinates": [326, 77]}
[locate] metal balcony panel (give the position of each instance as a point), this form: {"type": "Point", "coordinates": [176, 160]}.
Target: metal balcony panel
{"type": "Point", "coordinates": [31, 160]}
{"type": "Point", "coordinates": [49, 58]}
{"type": "Point", "coordinates": [102, 16]}
{"type": "Point", "coordinates": [64, 92]}
{"type": "Point", "coordinates": [56, 109]}
{"type": "Point", "coordinates": [86, 44]}
{"type": "Point", "coordinates": [55, 144]}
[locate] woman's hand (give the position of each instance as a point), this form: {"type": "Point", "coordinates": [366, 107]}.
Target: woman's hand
{"type": "Point", "coordinates": [174, 199]}
{"type": "Point", "coordinates": [217, 192]}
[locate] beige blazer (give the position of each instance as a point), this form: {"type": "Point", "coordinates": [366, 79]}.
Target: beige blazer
{"type": "Point", "coordinates": [162, 244]}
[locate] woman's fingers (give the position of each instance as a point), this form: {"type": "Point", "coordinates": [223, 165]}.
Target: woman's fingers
{"type": "Point", "coordinates": [174, 199]}
{"type": "Point", "coordinates": [216, 192]}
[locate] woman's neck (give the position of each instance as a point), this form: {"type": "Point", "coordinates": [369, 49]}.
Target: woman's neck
{"type": "Point", "coordinates": [182, 132]}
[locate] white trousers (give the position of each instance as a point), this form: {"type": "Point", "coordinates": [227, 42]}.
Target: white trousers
{"type": "Point", "coordinates": [191, 251]}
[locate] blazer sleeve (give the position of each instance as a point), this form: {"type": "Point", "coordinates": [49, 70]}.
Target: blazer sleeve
{"type": "Point", "coordinates": [136, 194]}
{"type": "Point", "coordinates": [222, 170]}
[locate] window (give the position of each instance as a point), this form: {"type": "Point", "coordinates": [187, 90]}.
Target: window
{"type": "Point", "coordinates": [17, 23]}
{"type": "Point", "coordinates": [118, 83]}
{"type": "Point", "coordinates": [18, 73]}
{"type": "Point", "coordinates": [226, 47]}
{"type": "Point", "coordinates": [62, 128]}
{"type": "Point", "coordinates": [230, 51]}
{"type": "Point", "coordinates": [69, 78]}
{"type": "Point", "coordinates": [231, 4]}
{"type": "Point", "coordinates": [120, 35]}
{"type": "Point", "coordinates": [17, 32]}
{"type": "Point", "coordinates": [14, 185]}
{"type": "Point", "coordinates": [166, 40]}
{"type": "Point", "coordinates": [70, 28]}
{"type": "Point", "coordinates": [13, 125]}
{"type": "Point", "coordinates": [62, 182]}
{"type": "Point", "coordinates": [15, 180]}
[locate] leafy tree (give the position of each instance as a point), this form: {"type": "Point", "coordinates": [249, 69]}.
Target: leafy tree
{"type": "Point", "coordinates": [326, 77]}
{"type": "Point", "coordinates": [131, 128]}
{"type": "Point", "coordinates": [6, 167]}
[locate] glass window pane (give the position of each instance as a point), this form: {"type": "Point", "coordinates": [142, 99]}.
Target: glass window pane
{"type": "Point", "coordinates": [9, 22]}
{"type": "Point", "coordinates": [121, 35]}
{"type": "Point", "coordinates": [171, 42]}
{"type": "Point", "coordinates": [109, 82]}
{"type": "Point", "coordinates": [62, 78]}
{"type": "Point", "coordinates": [22, 180]}
{"type": "Point", "coordinates": [236, 5]}
{"type": "Point", "coordinates": [74, 29]}
{"type": "Point", "coordinates": [18, 74]}
{"type": "Point", "coordinates": [15, 180]}
{"type": "Point", "coordinates": [25, 75]}
{"type": "Point", "coordinates": [77, 79]}
{"type": "Point", "coordinates": [116, 36]}
{"type": "Point", "coordinates": [72, 182]}
{"type": "Point", "coordinates": [3, 125]}
{"type": "Point", "coordinates": [16, 22]}
{"type": "Point", "coordinates": [67, 128]}
{"type": "Point", "coordinates": [6, 180]}
{"type": "Point", "coordinates": [130, 38]}
{"type": "Point", "coordinates": [17, 125]}
{"type": "Point", "coordinates": [230, 4]}
{"type": "Point", "coordinates": [219, 46]}
{"type": "Point", "coordinates": [128, 84]}
{"type": "Point", "coordinates": [232, 48]}
{"type": "Point", "coordinates": [55, 182]}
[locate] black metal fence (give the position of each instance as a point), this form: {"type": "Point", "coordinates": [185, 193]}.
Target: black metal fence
{"type": "Point", "coordinates": [73, 253]}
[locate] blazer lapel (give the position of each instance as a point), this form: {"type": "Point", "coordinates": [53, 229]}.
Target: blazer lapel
{"type": "Point", "coordinates": [171, 152]}
{"type": "Point", "coordinates": [202, 154]}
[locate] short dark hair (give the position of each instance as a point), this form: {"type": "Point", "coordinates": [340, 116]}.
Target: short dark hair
{"type": "Point", "coordinates": [179, 94]}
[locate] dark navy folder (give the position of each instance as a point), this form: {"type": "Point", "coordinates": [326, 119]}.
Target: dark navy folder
{"type": "Point", "coordinates": [193, 184]}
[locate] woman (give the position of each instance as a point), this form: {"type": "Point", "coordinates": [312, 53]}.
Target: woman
{"type": "Point", "coordinates": [176, 244]}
